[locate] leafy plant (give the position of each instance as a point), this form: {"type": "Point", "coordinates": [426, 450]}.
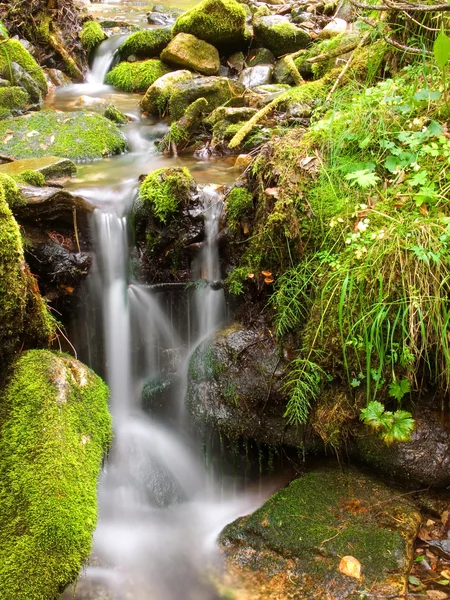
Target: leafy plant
{"type": "Point", "coordinates": [304, 384]}
{"type": "Point", "coordinates": [398, 389]}
{"type": "Point", "coordinates": [364, 178]}
{"type": "Point", "coordinates": [392, 426]}
{"type": "Point", "coordinates": [441, 51]}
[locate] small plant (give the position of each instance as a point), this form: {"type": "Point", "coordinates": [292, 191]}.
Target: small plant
{"type": "Point", "coordinates": [304, 384]}
{"type": "Point", "coordinates": [392, 426]}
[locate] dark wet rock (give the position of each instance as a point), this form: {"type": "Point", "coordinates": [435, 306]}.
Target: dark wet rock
{"type": "Point", "coordinates": [56, 78]}
{"type": "Point", "coordinates": [27, 83]}
{"type": "Point", "coordinates": [279, 35]}
{"type": "Point", "coordinates": [51, 167]}
{"type": "Point", "coordinates": [185, 50]}
{"type": "Point", "coordinates": [424, 460]}
{"type": "Point", "coordinates": [260, 56]}
{"type": "Point", "coordinates": [235, 383]}
{"type": "Point", "coordinates": [293, 545]}
{"type": "Point", "coordinates": [255, 76]}
{"type": "Point", "coordinates": [298, 15]}
{"type": "Point", "coordinates": [282, 72]}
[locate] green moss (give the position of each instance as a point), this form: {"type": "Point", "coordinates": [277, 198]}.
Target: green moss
{"type": "Point", "coordinates": [238, 203]}
{"type": "Point", "coordinates": [165, 190]}
{"type": "Point", "coordinates": [80, 135]}
{"type": "Point", "coordinates": [158, 94]}
{"type": "Point", "coordinates": [5, 113]}
{"type": "Point", "coordinates": [3, 30]}
{"type": "Point", "coordinates": [280, 38]}
{"type": "Point", "coordinates": [91, 35]}
{"type": "Point", "coordinates": [55, 429]}
{"type": "Point", "coordinates": [114, 114]}
{"type": "Point", "coordinates": [13, 51]}
{"type": "Point", "coordinates": [146, 44]}
{"type": "Point", "coordinates": [13, 98]}
{"type": "Point", "coordinates": [13, 195]}
{"type": "Point", "coordinates": [24, 319]}
{"type": "Point", "coordinates": [29, 177]}
{"type": "Point", "coordinates": [137, 76]}
{"type": "Point", "coordinates": [219, 22]}
{"type": "Point", "coordinates": [178, 133]}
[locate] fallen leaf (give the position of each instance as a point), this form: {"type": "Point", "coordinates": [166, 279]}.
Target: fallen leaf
{"type": "Point", "coordinates": [245, 229]}
{"type": "Point", "coordinates": [43, 146]}
{"type": "Point", "coordinates": [68, 289]}
{"type": "Point", "coordinates": [413, 580]}
{"type": "Point", "coordinates": [272, 192]}
{"type": "Point", "coordinates": [7, 138]}
{"type": "Point", "coordinates": [52, 139]}
{"type": "Point", "coordinates": [436, 595]}
{"type": "Point", "coordinates": [445, 573]}
{"type": "Point", "coordinates": [32, 133]}
{"type": "Point", "coordinates": [350, 566]}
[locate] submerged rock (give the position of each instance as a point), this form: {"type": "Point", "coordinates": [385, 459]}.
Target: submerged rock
{"type": "Point", "coordinates": [55, 431]}
{"type": "Point", "coordinates": [279, 35]}
{"type": "Point", "coordinates": [293, 546]}
{"type": "Point", "coordinates": [185, 50]}
{"type": "Point", "coordinates": [78, 135]}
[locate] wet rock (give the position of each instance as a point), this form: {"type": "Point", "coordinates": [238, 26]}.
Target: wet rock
{"type": "Point", "coordinates": [255, 76]}
{"type": "Point", "coordinates": [51, 167]}
{"type": "Point", "coordinates": [145, 44]}
{"type": "Point", "coordinates": [57, 78]}
{"type": "Point", "coordinates": [114, 114]}
{"type": "Point", "coordinates": [279, 35]}
{"type": "Point", "coordinates": [216, 90]}
{"type": "Point", "coordinates": [260, 56]}
{"type": "Point", "coordinates": [235, 383]}
{"type": "Point", "coordinates": [158, 94]}
{"type": "Point", "coordinates": [77, 135]}
{"type": "Point", "coordinates": [218, 22]}
{"type": "Point", "coordinates": [293, 545]}
{"type": "Point", "coordinates": [333, 28]}
{"type": "Point", "coordinates": [157, 18]}
{"type": "Point", "coordinates": [89, 102]}
{"type": "Point", "coordinates": [424, 460]}
{"type": "Point", "coordinates": [298, 15]}
{"type": "Point", "coordinates": [224, 118]}
{"type": "Point", "coordinates": [185, 50]}
{"type": "Point", "coordinates": [236, 61]}
{"type": "Point", "coordinates": [282, 72]}
{"type": "Point", "coordinates": [27, 83]}
{"type": "Point", "coordinates": [243, 160]}
{"type": "Point", "coordinates": [14, 52]}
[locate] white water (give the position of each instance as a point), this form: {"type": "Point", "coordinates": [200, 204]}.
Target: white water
{"type": "Point", "coordinates": [103, 59]}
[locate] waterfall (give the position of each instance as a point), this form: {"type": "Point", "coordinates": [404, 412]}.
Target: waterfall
{"type": "Point", "coordinates": [104, 58]}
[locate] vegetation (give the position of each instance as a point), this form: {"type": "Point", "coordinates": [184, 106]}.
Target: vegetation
{"type": "Point", "coordinates": [146, 44]}
{"type": "Point", "coordinates": [55, 430]}
{"type": "Point", "coordinates": [13, 99]}
{"type": "Point", "coordinates": [165, 190]}
{"type": "Point", "coordinates": [13, 51]}
{"type": "Point", "coordinates": [239, 202]}
{"type": "Point", "coordinates": [12, 193]}
{"type": "Point", "coordinates": [91, 35]}
{"type": "Point", "coordinates": [137, 76]}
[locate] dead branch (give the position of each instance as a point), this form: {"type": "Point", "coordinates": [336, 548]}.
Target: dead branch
{"type": "Point", "coordinates": [402, 7]}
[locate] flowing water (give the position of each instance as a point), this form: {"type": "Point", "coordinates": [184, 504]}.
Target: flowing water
{"type": "Point", "coordinates": [160, 509]}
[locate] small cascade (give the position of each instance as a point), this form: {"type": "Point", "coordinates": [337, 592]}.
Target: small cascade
{"type": "Point", "coordinates": [104, 58]}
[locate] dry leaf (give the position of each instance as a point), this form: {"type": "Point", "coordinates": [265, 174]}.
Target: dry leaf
{"type": "Point", "coordinates": [7, 138]}
{"type": "Point", "coordinates": [272, 192]}
{"type": "Point", "coordinates": [68, 289]}
{"type": "Point", "coordinates": [350, 566]}
{"type": "Point", "coordinates": [32, 133]}
{"type": "Point", "coordinates": [43, 146]}
{"type": "Point", "coordinates": [245, 229]}
{"type": "Point", "coordinates": [436, 595]}
{"type": "Point", "coordinates": [445, 573]}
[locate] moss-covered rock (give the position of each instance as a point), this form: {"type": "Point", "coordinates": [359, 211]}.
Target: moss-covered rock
{"type": "Point", "coordinates": [91, 35]}
{"type": "Point", "coordinates": [24, 318]}
{"type": "Point", "coordinates": [13, 195]}
{"type": "Point", "coordinates": [114, 114]}
{"type": "Point", "coordinates": [29, 177]}
{"type": "Point", "coordinates": [224, 118]}
{"type": "Point", "coordinates": [185, 50]}
{"type": "Point", "coordinates": [297, 539]}
{"type": "Point", "coordinates": [216, 90]}
{"type": "Point", "coordinates": [164, 190]}
{"type": "Point", "coordinates": [52, 167]}
{"type": "Point", "coordinates": [279, 35]}
{"type": "Point", "coordinates": [12, 51]}
{"type": "Point", "coordinates": [76, 135]}
{"type": "Point", "coordinates": [137, 76]}
{"type": "Point", "coordinates": [219, 22]}
{"type": "Point", "coordinates": [145, 44]}
{"type": "Point", "coordinates": [13, 98]}
{"type": "Point", "coordinates": [55, 429]}
{"type": "Point", "coordinates": [260, 56]}
{"type": "Point", "coordinates": [158, 94]}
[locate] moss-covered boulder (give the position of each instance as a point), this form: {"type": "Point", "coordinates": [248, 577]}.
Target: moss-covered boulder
{"type": "Point", "coordinates": [145, 44]}
{"type": "Point", "coordinates": [24, 318]}
{"type": "Point", "coordinates": [219, 22]}
{"type": "Point", "coordinates": [294, 544]}
{"type": "Point", "coordinates": [13, 99]}
{"type": "Point", "coordinates": [158, 94]}
{"type": "Point", "coordinates": [167, 218]}
{"type": "Point", "coordinates": [13, 195]}
{"type": "Point", "coordinates": [76, 135]}
{"type": "Point", "coordinates": [91, 35]}
{"type": "Point", "coordinates": [279, 35]}
{"type": "Point", "coordinates": [55, 429]}
{"type": "Point", "coordinates": [216, 90]}
{"type": "Point", "coordinates": [136, 76]}
{"type": "Point", "coordinates": [224, 120]}
{"type": "Point", "coordinates": [115, 115]}
{"type": "Point", "coordinates": [12, 51]}
{"type": "Point", "coordinates": [185, 50]}
{"type": "Point", "coordinates": [51, 167]}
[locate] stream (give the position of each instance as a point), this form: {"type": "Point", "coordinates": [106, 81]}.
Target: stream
{"type": "Point", "coordinates": [160, 509]}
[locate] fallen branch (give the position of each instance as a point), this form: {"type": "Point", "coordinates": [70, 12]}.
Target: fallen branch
{"type": "Point", "coordinates": [347, 66]}
{"type": "Point", "coordinates": [402, 6]}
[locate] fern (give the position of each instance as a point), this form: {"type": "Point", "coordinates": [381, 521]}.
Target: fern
{"type": "Point", "coordinates": [304, 384]}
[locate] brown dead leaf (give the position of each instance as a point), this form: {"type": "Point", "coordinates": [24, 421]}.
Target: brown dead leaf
{"type": "Point", "coordinates": [350, 566]}
{"type": "Point", "coordinates": [68, 289]}
{"type": "Point", "coordinates": [423, 535]}
{"type": "Point", "coordinates": [423, 210]}
{"type": "Point", "coordinates": [245, 229]}
{"type": "Point", "coordinates": [445, 573]}
{"type": "Point", "coordinates": [436, 595]}
{"type": "Point", "coordinates": [7, 138]}
{"type": "Point", "coordinates": [43, 146]}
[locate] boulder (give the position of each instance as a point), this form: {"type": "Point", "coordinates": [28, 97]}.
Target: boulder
{"type": "Point", "coordinates": [425, 460]}
{"type": "Point", "coordinates": [24, 80]}
{"type": "Point", "coordinates": [218, 22]}
{"type": "Point", "coordinates": [158, 94]}
{"type": "Point", "coordinates": [14, 52]}
{"type": "Point", "coordinates": [185, 50]}
{"type": "Point", "coordinates": [279, 35]}
{"type": "Point", "coordinates": [136, 76]}
{"type": "Point", "coordinates": [13, 99]}
{"type": "Point", "coordinates": [56, 78]}
{"type": "Point", "coordinates": [91, 36]}
{"type": "Point", "coordinates": [224, 120]}
{"type": "Point", "coordinates": [90, 102]}
{"type": "Point", "coordinates": [304, 540]}
{"type": "Point", "coordinates": [78, 135]}
{"type": "Point", "coordinates": [55, 431]}
{"type": "Point", "coordinates": [333, 28]}
{"type": "Point", "coordinates": [255, 76]}
{"type": "Point", "coordinates": [51, 167]}
{"type": "Point", "coordinates": [282, 72]}
{"type": "Point", "coordinates": [260, 56]}
{"type": "Point", "coordinates": [114, 114]}
{"type": "Point", "coordinates": [145, 44]}
{"type": "Point", "coordinates": [216, 90]}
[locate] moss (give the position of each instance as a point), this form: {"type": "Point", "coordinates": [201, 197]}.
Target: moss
{"type": "Point", "coordinates": [5, 113]}
{"type": "Point", "coordinates": [13, 51]}
{"type": "Point", "coordinates": [114, 114]}
{"type": "Point", "coordinates": [188, 51]}
{"type": "Point", "coordinates": [280, 38]}
{"type": "Point", "coordinates": [3, 30]}
{"type": "Point", "coordinates": [219, 22]}
{"type": "Point", "coordinates": [239, 202]}
{"type": "Point", "coordinates": [91, 35]}
{"type": "Point", "coordinates": [80, 135]}
{"type": "Point", "coordinates": [13, 195]}
{"type": "Point", "coordinates": [29, 177]}
{"type": "Point", "coordinates": [165, 190]}
{"type": "Point", "coordinates": [137, 76]}
{"type": "Point", "coordinates": [146, 44]}
{"type": "Point", "coordinates": [55, 429]}
{"type": "Point", "coordinates": [158, 94]}
{"type": "Point", "coordinates": [24, 319]}
{"type": "Point", "coordinates": [178, 133]}
{"type": "Point", "coordinates": [13, 98]}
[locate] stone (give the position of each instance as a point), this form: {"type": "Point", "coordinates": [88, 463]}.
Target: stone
{"type": "Point", "coordinates": [279, 35]}
{"type": "Point", "coordinates": [51, 206]}
{"type": "Point", "coordinates": [243, 160]}
{"type": "Point", "coordinates": [425, 460]}
{"type": "Point", "coordinates": [218, 22]}
{"type": "Point", "coordinates": [294, 543]}
{"type": "Point", "coordinates": [145, 44]}
{"type": "Point", "coordinates": [13, 99]}
{"type": "Point", "coordinates": [334, 28]}
{"type": "Point", "coordinates": [89, 102]}
{"type": "Point", "coordinates": [298, 15]}
{"type": "Point", "coordinates": [26, 81]}
{"type": "Point", "coordinates": [260, 56]}
{"type": "Point", "coordinates": [282, 72]}
{"type": "Point", "coordinates": [136, 76]}
{"type": "Point", "coordinates": [161, 19]}
{"type": "Point", "coordinates": [114, 114]}
{"type": "Point", "coordinates": [255, 76]}
{"type": "Point", "coordinates": [236, 61]}
{"type": "Point", "coordinates": [158, 94]}
{"type": "Point", "coordinates": [57, 78]}
{"type": "Point", "coordinates": [52, 167]}
{"type": "Point", "coordinates": [185, 50]}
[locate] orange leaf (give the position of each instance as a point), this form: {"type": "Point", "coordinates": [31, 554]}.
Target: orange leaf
{"type": "Point", "coordinates": [350, 566]}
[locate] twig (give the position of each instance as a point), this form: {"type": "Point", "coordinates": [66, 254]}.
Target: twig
{"type": "Point", "coordinates": [75, 228]}
{"type": "Point", "coordinates": [408, 7]}
{"type": "Point", "coordinates": [347, 66]}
